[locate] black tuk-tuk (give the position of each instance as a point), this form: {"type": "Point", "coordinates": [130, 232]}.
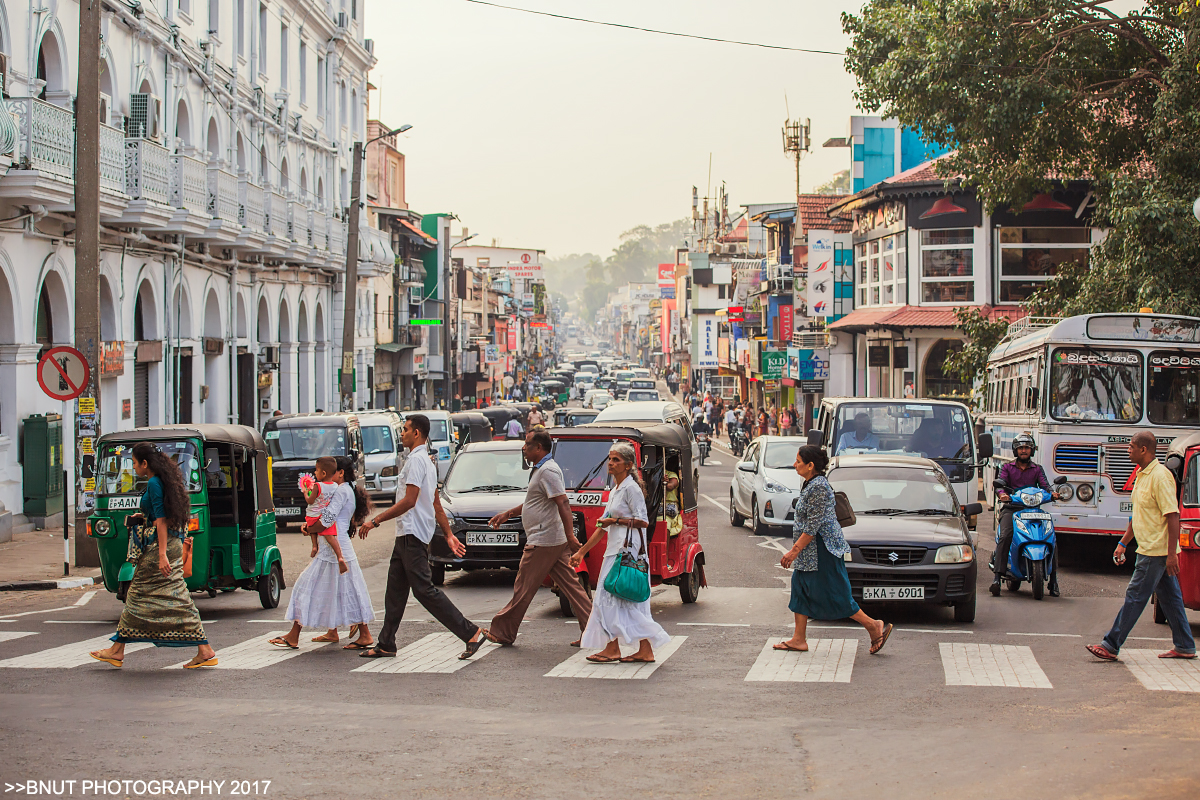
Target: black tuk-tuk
{"type": "Point", "coordinates": [500, 417]}
{"type": "Point", "coordinates": [470, 426]}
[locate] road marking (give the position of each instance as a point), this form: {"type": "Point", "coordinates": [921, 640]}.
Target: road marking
{"type": "Point", "coordinates": [8, 636]}
{"type": "Point", "coordinates": [437, 652]}
{"type": "Point", "coordinates": [577, 666]}
{"type": "Point", "coordinates": [716, 624]}
{"type": "Point", "coordinates": [932, 630]}
{"type": "Point", "coordinates": [714, 463]}
{"type": "Point", "coordinates": [256, 653]}
{"type": "Point", "coordinates": [87, 597]}
{"type": "Point", "coordinates": [992, 665]}
{"type": "Point", "coordinates": [1162, 674]}
{"type": "Point", "coordinates": [10, 617]}
{"type": "Point", "coordinates": [773, 543]}
{"type": "Point", "coordinates": [1064, 635]}
{"type": "Point", "coordinates": [68, 655]}
{"type": "Point", "coordinates": [80, 621]}
{"type": "Point", "coordinates": [827, 661]}
{"type": "Point", "coordinates": [716, 503]}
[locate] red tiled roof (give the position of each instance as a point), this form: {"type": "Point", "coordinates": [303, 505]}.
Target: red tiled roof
{"type": "Point", "coordinates": [738, 234]}
{"type": "Point", "coordinates": [814, 213]}
{"type": "Point", "coordinates": [420, 233]}
{"type": "Point", "coordinates": [922, 173]}
{"type": "Point", "coordinates": [917, 317]}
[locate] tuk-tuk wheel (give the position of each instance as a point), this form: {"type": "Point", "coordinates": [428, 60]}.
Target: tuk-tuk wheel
{"type": "Point", "coordinates": [689, 587]}
{"type": "Point", "coordinates": [211, 592]}
{"type": "Point", "coordinates": [564, 604]}
{"type": "Point", "coordinates": [123, 590]}
{"type": "Point", "coordinates": [1013, 584]}
{"type": "Point", "coordinates": [270, 586]}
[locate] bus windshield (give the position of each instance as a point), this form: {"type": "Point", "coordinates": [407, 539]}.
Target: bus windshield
{"type": "Point", "coordinates": [115, 473]}
{"type": "Point", "coordinates": [305, 444]}
{"type": "Point", "coordinates": [1173, 394]}
{"type": "Point", "coordinates": [1096, 385]}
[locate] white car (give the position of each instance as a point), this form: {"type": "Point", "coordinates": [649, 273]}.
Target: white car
{"type": "Point", "coordinates": [597, 398]}
{"type": "Point", "coordinates": [765, 485]}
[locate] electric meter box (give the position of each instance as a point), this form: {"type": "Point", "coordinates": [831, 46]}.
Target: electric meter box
{"type": "Point", "coordinates": [43, 465]}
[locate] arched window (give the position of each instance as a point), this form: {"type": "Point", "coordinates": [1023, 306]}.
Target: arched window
{"type": "Point", "coordinates": [939, 384]}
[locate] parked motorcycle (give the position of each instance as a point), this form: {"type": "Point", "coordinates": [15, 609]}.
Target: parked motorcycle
{"type": "Point", "coordinates": [1031, 554]}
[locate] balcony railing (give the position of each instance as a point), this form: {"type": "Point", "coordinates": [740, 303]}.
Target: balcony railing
{"type": "Point", "coordinates": [277, 215]}
{"type": "Point", "coordinates": [337, 238]}
{"type": "Point", "coordinates": [112, 159]}
{"type": "Point", "coordinates": [251, 209]}
{"type": "Point", "coordinates": [147, 171]}
{"type": "Point", "coordinates": [223, 194]}
{"type": "Point", "coordinates": [45, 136]}
{"type": "Point", "coordinates": [189, 185]}
{"type": "Point", "coordinates": [298, 222]}
{"type": "Point", "coordinates": [318, 234]}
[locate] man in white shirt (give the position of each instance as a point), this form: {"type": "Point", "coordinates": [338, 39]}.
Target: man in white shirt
{"type": "Point", "coordinates": [420, 512]}
{"type": "Point", "coordinates": [861, 438]}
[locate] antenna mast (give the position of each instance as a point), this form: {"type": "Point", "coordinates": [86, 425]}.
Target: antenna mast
{"type": "Point", "coordinates": [796, 142]}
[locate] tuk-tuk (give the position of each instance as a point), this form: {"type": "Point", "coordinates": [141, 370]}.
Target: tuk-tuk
{"type": "Point", "coordinates": [580, 416]}
{"type": "Point", "coordinates": [226, 472]}
{"type": "Point", "coordinates": [556, 392]}
{"type": "Point", "coordinates": [1183, 461]}
{"type": "Point", "coordinates": [500, 416]}
{"type": "Point", "coordinates": [582, 453]}
{"type": "Point", "coordinates": [470, 426]}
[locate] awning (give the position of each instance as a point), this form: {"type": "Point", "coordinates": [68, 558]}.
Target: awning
{"type": "Point", "coordinates": [415, 233]}
{"type": "Point", "coordinates": [374, 248]}
{"type": "Point", "coordinates": [393, 347]}
{"type": "Point", "coordinates": [915, 317]}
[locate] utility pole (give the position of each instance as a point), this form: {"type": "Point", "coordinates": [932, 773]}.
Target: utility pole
{"type": "Point", "coordinates": [351, 290]}
{"type": "Point", "coordinates": [796, 142]}
{"type": "Point", "coordinates": [87, 274]}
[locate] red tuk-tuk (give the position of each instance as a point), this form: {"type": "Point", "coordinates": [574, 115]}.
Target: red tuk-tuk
{"type": "Point", "coordinates": [1183, 460]}
{"type": "Point", "coordinates": [582, 453]}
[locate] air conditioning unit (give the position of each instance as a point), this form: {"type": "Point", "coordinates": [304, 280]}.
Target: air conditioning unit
{"type": "Point", "coordinates": [270, 355]}
{"type": "Point", "coordinates": [145, 111]}
{"type": "Point", "coordinates": [415, 295]}
{"type": "Point", "coordinates": [105, 108]}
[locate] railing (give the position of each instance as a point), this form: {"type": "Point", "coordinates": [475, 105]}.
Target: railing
{"type": "Point", "coordinates": [112, 159]}
{"type": "Point", "coordinates": [277, 215]}
{"type": "Point", "coordinates": [251, 210]}
{"type": "Point", "coordinates": [147, 171]}
{"type": "Point", "coordinates": [223, 195]}
{"type": "Point", "coordinates": [189, 184]}
{"type": "Point", "coordinates": [298, 222]}
{"type": "Point", "coordinates": [318, 236]}
{"type": "Point", "coordinates": [337, 238]}
{"type": "Point", "coordinates": [45, 136]}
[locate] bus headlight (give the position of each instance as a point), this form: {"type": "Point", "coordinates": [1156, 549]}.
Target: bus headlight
{"type": "Point", "coordinates": [1085, 492]}
{"type": "Point", "coordinates": [1066, 492]}
{"type": "Point", "coordinates": [954, 554]}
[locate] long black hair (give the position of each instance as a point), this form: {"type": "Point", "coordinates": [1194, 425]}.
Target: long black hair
{"type": "Point", "coordinates": [811, 454]}
{"type": "Point", "coordinates": [362, 503]}
{"type": "Point", "coordinates": [175, 497]}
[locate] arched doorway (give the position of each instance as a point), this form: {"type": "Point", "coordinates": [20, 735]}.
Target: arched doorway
{"type": "Point", "coordinates": [109, 389]}
{"type": "Point", "coordinates": [940, 384]}
{"type": "Point", "coordinates": [52, 323]}
{"type": "Point", "coordinates": [184, 383]}
{"type": "Point", "coordinates": [147, 366]}
{"type": "Point", "coordinates": [212, 141]}
{"type": "Point", "coordinates": [52, 71]}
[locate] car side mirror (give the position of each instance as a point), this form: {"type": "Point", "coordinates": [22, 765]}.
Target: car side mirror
{"type": "Point", "coordinates": [814, 437]}
{"type": "Point", "coordinates": [747, 466]}
{"type": "Point", "coordinates": [972, 509]}
{"type": "Point", "coordinates": [986, 446]}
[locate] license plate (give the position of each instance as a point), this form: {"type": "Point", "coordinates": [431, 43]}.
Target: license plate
{"type": "Point", "coordinates": [288, 511]}
{"type": "Point", "coordinates": [1035, 515]}
{"type": "Point", "coordinates": [1127, 507]}
{"type": "Point", "coordinates": [486, 537]}
{"type": "Point", "coordinates": [124, 503]}
{"type": "Point", "coordinates": [587, 499]}
{"type": "Point", "coordinates": [893, 593]}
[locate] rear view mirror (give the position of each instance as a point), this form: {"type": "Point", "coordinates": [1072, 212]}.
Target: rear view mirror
{"type": "Point", "coordinates": [972, 509]}
{"type": "Point", "coordinates": [986, 446]}
{"type": "Point", "coordinates": [815, 436]}
{"type": "Point", "coordinates": [1060, 480]}
{"type": "Point", "coordinates": [746, 466]}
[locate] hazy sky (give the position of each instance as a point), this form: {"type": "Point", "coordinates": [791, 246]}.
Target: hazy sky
{"type": "Point", "coordinates": [560, 135]}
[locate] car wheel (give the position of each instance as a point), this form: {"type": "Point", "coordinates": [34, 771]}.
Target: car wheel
{"type": "Point", "coordinates": [1037, 581]}
{"type": "Point", "coordinates": [760, 528]}
{"type": "Point", "coordinates": [269, 587]}
{"type": "Point", "coordinates": [735, 519]}
{"type": "Point", "coordinates": [438, 571]}
{"type": "Point", "coordinates": [964, 610]}
{"type": "Point", "coordinates": [689, 587]}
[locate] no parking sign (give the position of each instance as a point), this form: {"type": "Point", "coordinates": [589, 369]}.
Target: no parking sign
{"type": "Point", "coordinates": [63, 373]}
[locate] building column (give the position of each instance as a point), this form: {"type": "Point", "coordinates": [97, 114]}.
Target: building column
{"type": "Point", "coordinates": [19, 396]}
{"type": "Point", "coordinates": [321, 382]}
{"type": "Point", "coordinates": [287, 377]}
{"type": "Point", "coordinates": [305, 396]}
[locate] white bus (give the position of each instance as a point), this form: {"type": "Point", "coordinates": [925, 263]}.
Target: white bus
{"type": "Point", "coordinates": [1082, 387]}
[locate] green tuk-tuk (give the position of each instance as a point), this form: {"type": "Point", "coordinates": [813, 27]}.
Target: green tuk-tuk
{"type": "Point", "coordinates": [556, 392]}
{"type": "Point", "coordinates": [226, 472]}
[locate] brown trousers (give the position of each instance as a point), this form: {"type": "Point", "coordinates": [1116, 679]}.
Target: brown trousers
{"type": "Point", "coordinates": [536, 564]}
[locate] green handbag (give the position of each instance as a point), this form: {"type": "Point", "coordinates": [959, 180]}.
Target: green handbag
{"type": "Point", "coordinates": [629, 578]}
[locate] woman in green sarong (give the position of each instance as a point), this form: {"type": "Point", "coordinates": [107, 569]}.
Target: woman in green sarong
{"type": "Point", "coordinates": [158, 607]}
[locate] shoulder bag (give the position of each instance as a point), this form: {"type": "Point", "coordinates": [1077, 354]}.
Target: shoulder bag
{"type": "Point", "coordinates": [629, 578]}
{"type": "Point", "coordinates": [843, 510]}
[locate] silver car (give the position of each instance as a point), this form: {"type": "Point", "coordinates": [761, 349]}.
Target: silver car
{"type": "Point", "coordinates": [384, 453]}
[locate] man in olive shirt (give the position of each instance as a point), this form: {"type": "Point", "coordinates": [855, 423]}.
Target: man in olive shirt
{"type": "Point", "coordinates": [549, 542]}
{"type": "Point", "coordinates": [1155, 525]}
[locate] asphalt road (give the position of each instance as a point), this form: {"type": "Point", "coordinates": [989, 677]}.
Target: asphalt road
{"type": "Point", "coordinates": [696, 727]}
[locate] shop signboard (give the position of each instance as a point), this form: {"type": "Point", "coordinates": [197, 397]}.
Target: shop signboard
{"type": "Point", "coordinates": [812, 387]}
{"type": "Point", "coordinates": [774, 362]}
{"type": "Point", "coordinates": [706, 346]}
{"type": "Point", "coordinates": [785, 322]}
{"type": "Point", "coordinates": [491, 353]}
{"type": "Point", "coordinates": [723, 351]}
{"type": "Point", "coordinates": [642, 292]}
{"type": "Point", "coordinates": [666, 281]}
{"type": "Point", "coordinates": [820, 273]}
{"type": "Point", "coordinates": [805, 365]}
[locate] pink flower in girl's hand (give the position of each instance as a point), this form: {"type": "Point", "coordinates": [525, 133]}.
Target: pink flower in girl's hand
{"type": "Point", "coordinates": [306, 482]}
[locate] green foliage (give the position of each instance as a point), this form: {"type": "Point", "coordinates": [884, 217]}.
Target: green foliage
{"type": "Point", "coordinates": [970, 362]}
{"type": "Point", "coordinates": [1029, 91]}
{"type": "Point", "coordinates": [838, 184]}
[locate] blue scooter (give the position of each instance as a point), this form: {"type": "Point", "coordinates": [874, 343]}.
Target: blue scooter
{"type": "Point", "coordinates": [1031, 555]}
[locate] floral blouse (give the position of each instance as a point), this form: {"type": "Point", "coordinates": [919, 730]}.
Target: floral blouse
{"type": "Point", "coordinates": [816, 515]}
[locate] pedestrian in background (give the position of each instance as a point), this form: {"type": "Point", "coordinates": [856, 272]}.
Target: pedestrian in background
{"type": "Point", "coordinates": [158, 608]}
{"type": "Point", "coordinates": [614, 620]}
{"type": "Point", "coordinates": [1155, 525]}
{"type": "Point", "coordinates": [820, 585]}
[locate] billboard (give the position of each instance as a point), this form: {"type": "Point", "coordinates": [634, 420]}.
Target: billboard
{"type": "Point", "coordinates": [666, 281]}
{"type": "Point", "coordinates": [820, 273]}
{"type": "Point", "coordinates": [706, 344]}
{"type": "Point", "coordinates": [643, 292]}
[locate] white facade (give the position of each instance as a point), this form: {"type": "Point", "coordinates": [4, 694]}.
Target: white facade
{"type": "Point", "coordinates": [222, 207]}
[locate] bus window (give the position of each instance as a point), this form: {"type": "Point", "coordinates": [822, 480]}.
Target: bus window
{"type": "Point", "coordinates": [1191, 482]}
{"type": "Point", "coordinates": [1096, 385]}
{"type": "Point", "coordinates": [1173, 396]}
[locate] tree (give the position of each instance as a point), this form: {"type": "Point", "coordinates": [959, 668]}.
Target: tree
{"type": "Point", "coordinates": [969, 363]}
{"type": "Point", "coordinates": [1028, 91]}
{"type": "Point", "coordinates": [838, 184]}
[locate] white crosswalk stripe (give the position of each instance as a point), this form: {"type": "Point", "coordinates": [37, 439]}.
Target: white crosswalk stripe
{"type": "Point", "coordinates": [827, 661]}
{"type": "Point", "coordinates": [1163, 674]}
{"type": "Point", "coordinates": [437, 652]}
{"type": "Point", "coordinates": [6, 636]}
{"type": "Point", "coordinates": [68, 655]}
{"type": "Point", "coordinates": [257, 653]}
{"type": "Point", "coordinates": [577, 666]}
{"type": "Point", "coordinates": [992, 665]}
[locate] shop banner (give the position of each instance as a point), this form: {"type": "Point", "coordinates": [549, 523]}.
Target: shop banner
{"type": "Point", "coordinates": [774, 362]}
{"type": "Point", "coordinates": [706, 347]}
{"type": "Point", "coordinates": [723, 351]}
{"type": "Point", "coordinates": [820, 273]}
{"type": "Point", "coordinates": [491, 353]}
{"type": "Point", "coordinates": [512, 337]}
{"type": "Point", "coordinates": [666, 281]}
{"type": "Point", "coordinates": [785, 323]}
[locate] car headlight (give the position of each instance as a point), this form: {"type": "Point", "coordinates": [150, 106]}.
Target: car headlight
{"type": "Point", "coordinates": [1085, 492]}
{"type": "Point", "coordinates": [102, 527]}
{"type": "Point", "coordinates": [1066, 492]}
{"type": "Point", "coordinates": [954, 554]}
{"type": "Point", "coordinates": [771, 486]}
{"type": "Point", "coordinates": [387, 472]}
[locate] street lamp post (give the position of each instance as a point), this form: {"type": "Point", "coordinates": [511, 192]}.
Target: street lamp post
{"type": "Point", "coordinates": [346, 381]}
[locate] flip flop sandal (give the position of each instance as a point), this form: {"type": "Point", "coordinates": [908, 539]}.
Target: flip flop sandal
{"type": "Point", "coordinates": [1101, 652]}
{"type": "Point", "coordinates": [636, 660]}
{"type": "Point", "coordinates": [358, 646]}
{"type": "Point", "coordinates": [789, 648]}
{"type": "Point", "coordinates": [212, 662]}
{"type": "Point", "coordinates": [325, 640]}
{"type": "Point", "coordinates": [1176, 654]}
{"type": "Point", "coordinates": [877, 644]}
{"type": "Point", "coordinates": [596, 658]}
{"type": "Point", "coordinates": [473, 647]}
{"type": "Point", "coordinates": [577, 643]}
{"type": "Point", "coordinates": [353, 631]}
{"type": "Point", "coordinates": [374, 652]}
{"type": "Point", "coordinates": [279, 641]}
{"type": "Point", "coordinates": [116, 662]}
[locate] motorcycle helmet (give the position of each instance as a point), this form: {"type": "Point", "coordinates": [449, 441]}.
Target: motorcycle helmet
{"type": "Point", "coordinates": [1024, 440]}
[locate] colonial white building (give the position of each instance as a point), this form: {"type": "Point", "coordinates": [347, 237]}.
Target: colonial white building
{"type": "Point", "coordinates": [227, 127]}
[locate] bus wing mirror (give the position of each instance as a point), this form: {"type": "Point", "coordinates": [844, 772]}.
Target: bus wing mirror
{"type": "Point", "coordinates": [986, 447]}
{"type": "Point", "coordinates": [815, 436]}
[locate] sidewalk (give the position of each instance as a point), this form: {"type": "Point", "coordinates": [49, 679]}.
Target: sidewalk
{"type": "Point", "coordinates": [35, 561]}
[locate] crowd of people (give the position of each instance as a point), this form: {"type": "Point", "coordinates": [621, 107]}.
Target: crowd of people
{"type": "Point", "coordinates": [723, 417]}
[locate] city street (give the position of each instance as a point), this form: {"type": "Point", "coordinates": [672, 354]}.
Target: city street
{"type": "Point", "coordinates": [717, 716]}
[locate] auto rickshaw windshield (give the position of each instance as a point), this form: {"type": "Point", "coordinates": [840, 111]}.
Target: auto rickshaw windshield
{"type": "Point", "coordinates": [116, 476]}
{"type": "Point", "coordinates": [305, 444]}
{"type": "Point", "coordinates": [584, 462]}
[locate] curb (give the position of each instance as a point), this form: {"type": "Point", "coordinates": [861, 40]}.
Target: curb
{"type": "Point", "coordinates": [30, 586]}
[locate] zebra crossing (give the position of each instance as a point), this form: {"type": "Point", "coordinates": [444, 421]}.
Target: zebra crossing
{"type": "Point", "coordinates": [828, 660]}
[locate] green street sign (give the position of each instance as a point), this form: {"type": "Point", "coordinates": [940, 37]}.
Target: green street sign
{"type": "Point", "coordinates": [424, 322]}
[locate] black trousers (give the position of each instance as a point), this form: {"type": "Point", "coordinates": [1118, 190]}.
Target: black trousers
{"type": "Point", "coordinates": [409, 571]}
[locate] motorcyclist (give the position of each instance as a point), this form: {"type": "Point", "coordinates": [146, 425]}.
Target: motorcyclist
{"type": "Point", "coordinates": [700, 425]}
{"type": "Point", "coordinates": [1020, 473]}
